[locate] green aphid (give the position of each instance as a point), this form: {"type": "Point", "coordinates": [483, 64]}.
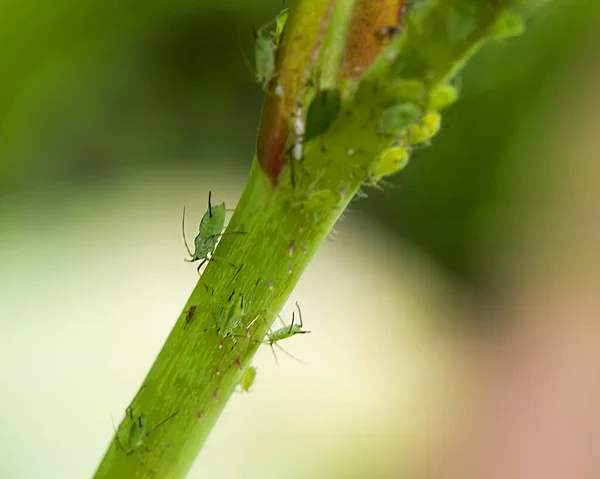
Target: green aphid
{"type": "Point", "coordinates": [412, 91]}
{"type": "Point", "coordinates": [265, 45]}
{"type": "Point", "coordinates": [233, 312]}
{"type": "Point", "coordinates": [209, 232]}
{"type": "Point", "coordinates": [389, 162]}
{"type": "Point", "coordinates": [274, 336]}
{"type": "Point", "coordinates": [396, 119]}
{"type": "Point", "coordinates": [131, 434]}
{"type": "Point", "coordinates": [442, 97]}
{"type": "Point", "coordinates": [428, 127]}
{"type": "Point", "coordinates": [247, 379]}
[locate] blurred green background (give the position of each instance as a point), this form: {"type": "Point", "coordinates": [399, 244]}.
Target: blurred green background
{"type": "Point", "coordinates": [115, 114]}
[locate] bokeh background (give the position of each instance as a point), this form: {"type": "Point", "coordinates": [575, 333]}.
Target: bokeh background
{"type": "Point", "coordinates": [454, 315]}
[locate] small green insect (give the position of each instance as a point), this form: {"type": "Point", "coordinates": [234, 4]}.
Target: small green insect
{"type": "Point", "coordinates": [233, 312]}
{"type": "Point", "coordinates": [273, 337]}
{"type": "Point", "coordinates": [247, 379]}
{"type": "Point", "coordinates": [131, 434]}
{"type": "Point", "coordinates": [209, 232]}
{"type": "Point", "coordinates": [395, 120]}
{"type": "Point", "coordinates": [389, 162]}
{"type": "Point", "coordinates": [427, 129]}
{"type": "Point", "coordinates": [266, 41]}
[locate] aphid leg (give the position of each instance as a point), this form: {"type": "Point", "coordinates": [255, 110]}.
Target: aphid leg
{"type": "Point", "coordinates": [290, 154]}
{"type": "Point", "coordinates": [292, 323]}
{"type": "Point", "coordinates": [252, 323]}
{"type": "Point", "coordinates": [299, 315]}
{"type": "Point", "coordinates": [288, 354]}
{"type": "Point", "coordinates": [184, 238]}
{"type": "Point", "coordinates": [235, 275]}
{"type": "Point", "coordinates": [158, 448]}
{"type": "Point", "coordinates": [139, 458]}
{"type": "Point", "coordinates": [210, 215]}
{"type": "Point", "coordinates": [230, 233]}
{"type": "Point", "coordinates": [282, 321]}
{"type": "Point", "coordinates": [201, 264]}
{"type": "Point", "coordinates": [274, 355]}
{"type": "Point", "coordinates": [217, 328]}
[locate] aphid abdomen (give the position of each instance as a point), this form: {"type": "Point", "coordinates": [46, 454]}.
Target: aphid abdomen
{"type": "Point", "coordinates": [212, 224]}
{"type": "Point", "coordinates": [265, 59]}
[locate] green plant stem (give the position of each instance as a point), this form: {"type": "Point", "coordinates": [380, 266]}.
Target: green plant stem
{"type": "Point", "coordinates": [197, 370]}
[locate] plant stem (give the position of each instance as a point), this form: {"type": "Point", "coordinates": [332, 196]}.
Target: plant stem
{"type": "Point", "coordinates": [285, 222]}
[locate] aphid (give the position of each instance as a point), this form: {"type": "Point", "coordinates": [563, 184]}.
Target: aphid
{"type": "Point", "coordinates": [232, 313]}
{"type": "Point", "coordinates": [189, 317]}
{"type": "Point", "coordinates": [247, 379]}
{"type": "Point", "coordinates": [209, 232]}
{"type": "Point", "coordinates": [132, 432]}
{"type": "Point", "coordinates": [273, 337]}
{"type": "Point", "coordinates": [396, 119]}
{"type": "Point", "coordinates": [389, 162]}
{"type": "Point", "coordinates": [265, 44]}
{"type": "Point", "coordinates": [427, 129]}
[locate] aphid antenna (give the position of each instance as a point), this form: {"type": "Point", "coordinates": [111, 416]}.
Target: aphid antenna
{"type": "Point", "coordinates": [135, 397]}
{"type": "Point", "coordinates": [257, 31]}
{"type": "Point", "coordinates": [159, 425]}
{"type": "Point", "coordinates": [244, 56]}
{"type": "Point", "coordinates": [159, 448]}
{"type": "Point", "coordinates": [229, 233]}
{"type": "Point", "coordinates": [254, 321]}
{"type": "Point", "coordinates": [184, 238]}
